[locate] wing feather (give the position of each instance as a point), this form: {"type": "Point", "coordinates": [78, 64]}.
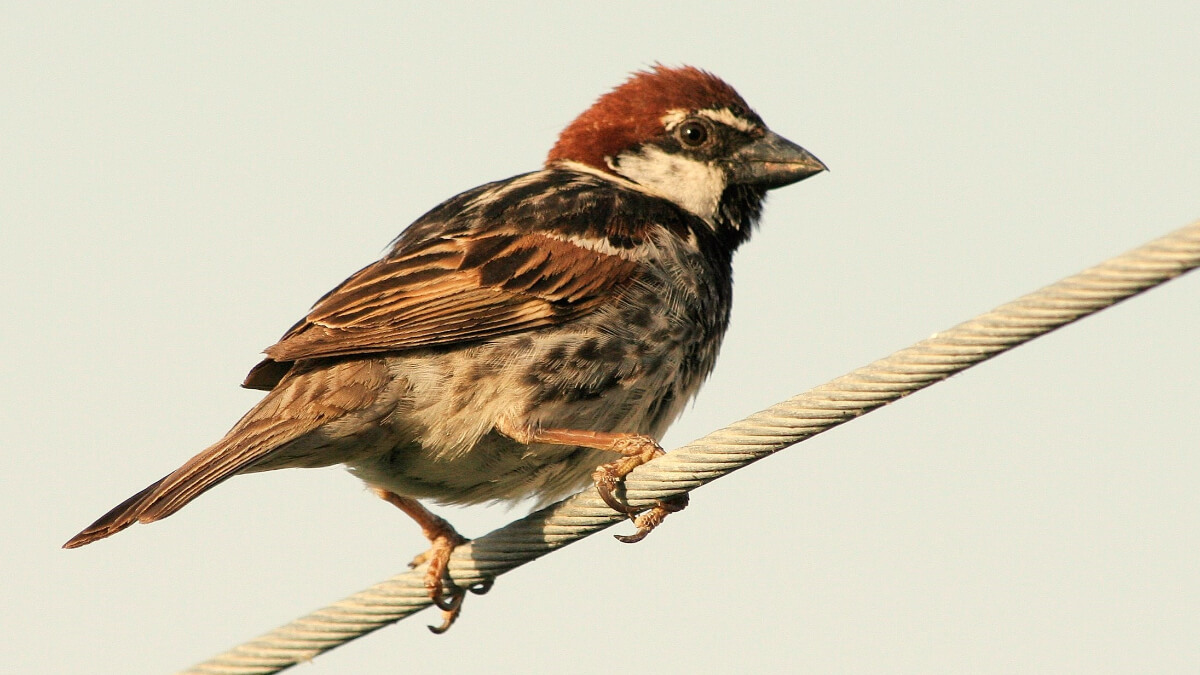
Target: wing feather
{"type": "Point", "coordinates": [448, 291]}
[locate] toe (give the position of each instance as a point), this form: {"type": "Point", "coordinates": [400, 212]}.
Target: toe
{"type": "Point", "coordinates": [606, 483]}
{"type": "Point", "coordinates": [652, 518]}
{"type": "Point", "coordinates": [450, 612]}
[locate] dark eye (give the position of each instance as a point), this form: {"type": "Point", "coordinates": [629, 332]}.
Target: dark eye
{"type": "Point", "coordinates": [693, 133]}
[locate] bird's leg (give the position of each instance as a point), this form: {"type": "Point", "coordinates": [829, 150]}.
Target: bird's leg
{"type": "Point", "coordinates": [635, 450]}
{"type": "Point", "coordinates": [443, 538]}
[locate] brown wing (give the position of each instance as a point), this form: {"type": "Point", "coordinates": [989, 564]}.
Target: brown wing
{"type": "Point", "coordinates": [450, 291]}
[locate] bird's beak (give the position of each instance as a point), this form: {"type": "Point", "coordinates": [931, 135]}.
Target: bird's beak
{"type": "Point", "coordinates": [772, 161]}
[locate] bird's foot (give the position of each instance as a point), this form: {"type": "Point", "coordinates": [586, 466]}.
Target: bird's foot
{"type": "Point", "coordinates": [443, 539]}
{"type": "Point", "coordinates": [650, 519]}
{"type": "Point", "coordinates": [450, 598]}
{"type": "Point", "coordinates": [635, 450]}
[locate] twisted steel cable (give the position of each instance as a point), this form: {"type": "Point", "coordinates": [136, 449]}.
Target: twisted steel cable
{"type": "Point", "coordinates": [726, 450]}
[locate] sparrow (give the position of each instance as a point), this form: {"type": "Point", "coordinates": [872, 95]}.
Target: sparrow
{"type": "Point", "coordinates": [524, 338]}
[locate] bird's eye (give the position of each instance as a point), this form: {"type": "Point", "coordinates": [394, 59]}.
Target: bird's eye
{"type": "Point", "coordinates": [693, 133]}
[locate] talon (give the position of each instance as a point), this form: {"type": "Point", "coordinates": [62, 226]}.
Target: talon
{"type": "Point", "coordinates": [450, 612]}
{"type": "Point", "coordinates": [636, 451]}
{"type": "Point", "coordinates": [631, 538]}
{"type": "Point", "coordinates": [482, 587]}
{"type": "Point", "coordinates": [452, 604]}
{"type": "Point", "coordinates": [451, 601]}
{"type": "Point", "coordinates": [674, 504]}
{"type": "Point", "coordinates": [443, 539]}
{"type": "Point", "coordinates": [606, 481]}
{"type": "Point", "coordinates": [438, 557]}
{"type": "Point", "coordinates": [652, 518]}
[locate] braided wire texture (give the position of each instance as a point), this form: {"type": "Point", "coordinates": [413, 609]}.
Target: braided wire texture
{"type": "Point", "coordinates": [725, 450]}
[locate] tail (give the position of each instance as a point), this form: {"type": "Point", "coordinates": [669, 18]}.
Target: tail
{"type": "Point", "coordinates": [251, 441]}
{"type": "Point", "coordinates": [174, 491]}
{"type": "Point", "coordinates": [305, 400]}
{"type": "Point", "coordinates": [120, 517]}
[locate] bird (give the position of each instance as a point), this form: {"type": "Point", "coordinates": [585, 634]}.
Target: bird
{"type": "Point", "coordinates": [525, 338]}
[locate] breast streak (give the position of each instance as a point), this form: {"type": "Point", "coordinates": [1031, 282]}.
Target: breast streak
{"type": "Point", "coordinates": [630, 366]}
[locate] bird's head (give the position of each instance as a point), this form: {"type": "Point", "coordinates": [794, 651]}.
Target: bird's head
{"type": "Point", "coordinates": [686, 135]}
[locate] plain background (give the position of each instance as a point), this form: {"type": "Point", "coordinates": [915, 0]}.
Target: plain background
{"type": "Point", "coordinates": [178, 182]}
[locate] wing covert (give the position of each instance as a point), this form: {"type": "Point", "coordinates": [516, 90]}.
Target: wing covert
{"type": "Point", "coordinates": [448, 291]}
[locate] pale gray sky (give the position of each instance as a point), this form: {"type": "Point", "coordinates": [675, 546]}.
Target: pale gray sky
{"type": "Point", "coordinates": [178, 182]}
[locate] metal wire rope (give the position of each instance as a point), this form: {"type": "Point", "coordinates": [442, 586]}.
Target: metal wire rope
{"type": "Point", "coordinates": [726, 450]}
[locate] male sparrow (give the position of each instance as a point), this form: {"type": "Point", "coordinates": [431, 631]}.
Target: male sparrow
{"type": "Point", "coordinates": [527, 336]}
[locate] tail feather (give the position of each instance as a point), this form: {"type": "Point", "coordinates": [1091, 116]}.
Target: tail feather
{"type": "Point", "coordinates": [303, 403]}
{"type": "Point", "coordinates": [174, 491]}
{"type": "Point", "coordinates": [203, 472]}
{"type": "Point", "coordinates": [120, 517]}
{"type": "Point", "coordinates": [244, 446]}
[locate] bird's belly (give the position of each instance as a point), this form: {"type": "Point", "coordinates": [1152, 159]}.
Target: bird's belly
{"type": "Point", "coordinates": [446, 406]}
{"type": "Point", "coordinates": [494, 469]}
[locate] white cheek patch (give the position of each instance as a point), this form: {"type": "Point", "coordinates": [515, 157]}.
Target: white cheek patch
{"type": "Point", "coordinates": [693, 184]}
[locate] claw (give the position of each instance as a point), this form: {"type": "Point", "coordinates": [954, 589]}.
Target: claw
{"type": "Point", "coordinates": [451, 600]}
{"type": "Point", "coordinates": [634, 450]}
{"type": "Point", "coordinates": [443, 539]}
{"type": "Point", "coordinates": [652, 518]}
{"type": "Point", "coordinates": [637, 451]}
{"type": "Point", "coordinates": [451, 604]}
{"type": "Point", "coordinates": [632, 538]}
{"type": "Point", "coordinates": [606, 482]}
{"type": "Point", "coordinates": [450, 611]}
{"type": "Point", "coordinates": [438, 557]}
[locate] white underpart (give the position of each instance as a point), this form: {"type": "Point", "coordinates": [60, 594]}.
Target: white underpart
{"type": "Point", "coordinates": [693, 184]}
